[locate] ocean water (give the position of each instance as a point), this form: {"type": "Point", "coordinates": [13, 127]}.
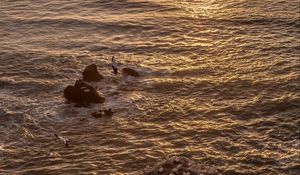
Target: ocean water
{"type": "Point", "coordinates": [220, 84]}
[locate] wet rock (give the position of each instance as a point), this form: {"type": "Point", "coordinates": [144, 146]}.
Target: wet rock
{"type": "Point", "coordinates": [101, 113]}
{"type": "Point", "coordinates": [97, 114]}
{"type": "Point", "coordinates": [131, 72]}
{"type": "Point", "coordinates": [82, 119]}
{"type": "Point", "coordinates": [108, 112]}
{"type": "Point", "coordinates": [73, 94]}
{"type": "Point", "coordinates": [91, 73]}
{"type": "Point", "coordinates": [82, 94]}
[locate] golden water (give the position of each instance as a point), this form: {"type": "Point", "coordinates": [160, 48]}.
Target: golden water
{"type": "Point", "coordinates": [219, 84]}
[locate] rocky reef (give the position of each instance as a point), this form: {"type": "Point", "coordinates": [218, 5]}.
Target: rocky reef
{"type": "Point", "coordinates": [82, 94]}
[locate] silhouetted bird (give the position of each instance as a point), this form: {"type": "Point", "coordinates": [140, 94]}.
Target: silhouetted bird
{"type": "Point", "coordinates": [64, 140]}
{"type": "Point", "coordinates": [114, 65]}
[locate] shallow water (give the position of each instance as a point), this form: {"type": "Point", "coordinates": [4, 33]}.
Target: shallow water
{"type": "Point", "coordinates": [219, 84]}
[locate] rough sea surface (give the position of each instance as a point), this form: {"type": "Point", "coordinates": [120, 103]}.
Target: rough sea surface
{"type": "Point", "coordinates": [220, 84]}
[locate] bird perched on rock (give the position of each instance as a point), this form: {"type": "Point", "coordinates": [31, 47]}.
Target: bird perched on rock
{"type": "Point", "coordinates": [114, 64]}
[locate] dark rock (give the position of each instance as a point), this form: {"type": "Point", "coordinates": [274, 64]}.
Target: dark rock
{"type": "Point", "coordinates": [130, 72]}
{"type": "Point", "coordinates": [97, 114]}
{"type": "Point", "coordinates": [108, 112]}
{"type": "Point", "coordinates": [80, 83]}
{"type": "Point", "coordinates": [82, 119]}
{"type": "Point", "coordinates": [73, 94]}
{"type": "Point", "coordinates": [91, 73]}
{"type": "Point", "coordinates": [82, 94]}
{"type": "Point", "coordinates": [102, 113]}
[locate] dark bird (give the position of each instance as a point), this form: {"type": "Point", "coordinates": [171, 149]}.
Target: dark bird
{"type": "Point", "coordinates": [114, 64]}
{"type": "Point", "coordinates": [65, 141]}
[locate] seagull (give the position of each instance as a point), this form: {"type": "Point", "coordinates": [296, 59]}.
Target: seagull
{"type": "Point", "coordinates": [65, 141]}
{"type": "Point", "coordinates": [114, 64]}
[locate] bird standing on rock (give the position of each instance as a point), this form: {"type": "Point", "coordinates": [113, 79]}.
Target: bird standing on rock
{"type": "Point", "coordinates": [114, 64]}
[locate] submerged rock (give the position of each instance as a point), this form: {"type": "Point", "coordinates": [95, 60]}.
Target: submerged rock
{"type": "Point", "coordinates": [131, 72]}
{"type": "Point", "coordinates": [97, 114]}
{"type": "Point", "coordinates": [91, 73]}
{"type": "Point", "coordinates": [179, 166]}
{"type": "Point", "coordinates": [108, 112]}
{"type": "Point", "coordinates": [82, 94]}
{"type": "Point", "coordinates": [101, 113]}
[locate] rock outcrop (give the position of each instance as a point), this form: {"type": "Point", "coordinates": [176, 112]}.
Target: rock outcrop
{"type": "Point", "coordinates": [91, 73]}
{"type": "Point", "coordinates": [131, 72]}
{"type": "Point", "coordinates": [82, 94]}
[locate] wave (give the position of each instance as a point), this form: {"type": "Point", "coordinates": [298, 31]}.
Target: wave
{"type": "Point", "coordinates": [127, 6]}
{"type": "Point", "coordinates": [64, 22]}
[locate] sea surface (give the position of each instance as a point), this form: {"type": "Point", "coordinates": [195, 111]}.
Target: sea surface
{"type": "Point", "coordinates": [219, 84]}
